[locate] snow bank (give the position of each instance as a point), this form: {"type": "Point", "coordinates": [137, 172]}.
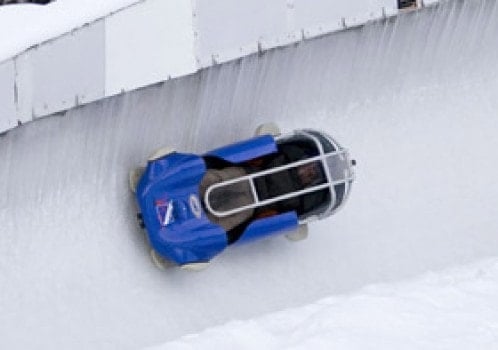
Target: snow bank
{"type": "Point", "coordinates": [41, 23]}
{"type": "Point", "coordinates": [452, 309]}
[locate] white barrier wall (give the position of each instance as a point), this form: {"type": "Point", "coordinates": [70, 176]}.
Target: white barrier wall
{"type": "Point", "coordinates": [155, 40]}
{"type": "Point", "coordinates": [25, 87]}
{"type": "Point", "coordinates": [66, 72]}
{"type": "Point", "coordinates": [148, 43]}
{"type": "Point", "coordinates": [7, 95]}
{"type": "Point", "coordinates": [227, 29]}
{"type": "Point", "coordinates": [317, 17]}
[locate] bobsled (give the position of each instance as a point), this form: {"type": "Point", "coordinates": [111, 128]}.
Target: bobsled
{"type": "Point", "coordinates": [193, 207]}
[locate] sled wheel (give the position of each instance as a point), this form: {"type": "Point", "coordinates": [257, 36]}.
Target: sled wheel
{"type": "Point", "coordinates": [134, 177]}
{"type": "Point", "coordinates": [267, 129]}
{"type": "Point", "coordinates": [198, 266]}
{"type": "Point", "coordinates": [160, 153]}
{"type": "Point", "coordinates": [298, 234]}
{"type": "Point", "coordinates": [159, 261]}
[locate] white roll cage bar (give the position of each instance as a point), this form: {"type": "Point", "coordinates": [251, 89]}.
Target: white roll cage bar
{"type": "Point", "coordinates": [322, 157]}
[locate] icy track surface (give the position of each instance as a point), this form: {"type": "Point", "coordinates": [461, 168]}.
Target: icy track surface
{"type": "Point", "coordinates": [413, 98]}
{"type": "Point", "coordinates": [454, 309]}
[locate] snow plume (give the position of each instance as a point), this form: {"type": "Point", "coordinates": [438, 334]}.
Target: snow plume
{"type": "Point", "coordinates": [452, 309]}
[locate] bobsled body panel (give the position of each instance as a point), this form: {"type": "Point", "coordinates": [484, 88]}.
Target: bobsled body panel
{"type": "Point", "coordinates": [168, 196]}
{"type": "Point", "coordinates": [245, 150]}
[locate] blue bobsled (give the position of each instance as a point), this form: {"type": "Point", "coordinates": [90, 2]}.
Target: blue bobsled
{"type": "Point", "coordinates": [189, 221]}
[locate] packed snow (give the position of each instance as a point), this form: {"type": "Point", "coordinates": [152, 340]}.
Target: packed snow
{"type": "Point", "coordinates": [414, 100]}
{"type": "Point", "coordinates": [25, 25]}
{"type": "Point", "coordinates": [451, 309]}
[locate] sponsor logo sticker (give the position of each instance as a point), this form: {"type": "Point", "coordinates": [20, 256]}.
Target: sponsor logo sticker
{"type": "Point", "coordinates": [164, 211]}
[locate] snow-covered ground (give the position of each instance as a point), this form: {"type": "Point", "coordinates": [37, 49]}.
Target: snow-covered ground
{"type": "Point", "coordinates": [451, 309]}
{"type": "Point", "coordinates": [414, 100]}
{"type": "Point", "coordinates": [25, 25]}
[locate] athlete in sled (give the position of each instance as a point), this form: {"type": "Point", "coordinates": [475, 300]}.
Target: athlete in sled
{"type": "Point", "coordinates": [193, 207]}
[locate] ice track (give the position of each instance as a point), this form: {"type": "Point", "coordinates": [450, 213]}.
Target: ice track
{"type": "Point", "coordinates": [413, 98]}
